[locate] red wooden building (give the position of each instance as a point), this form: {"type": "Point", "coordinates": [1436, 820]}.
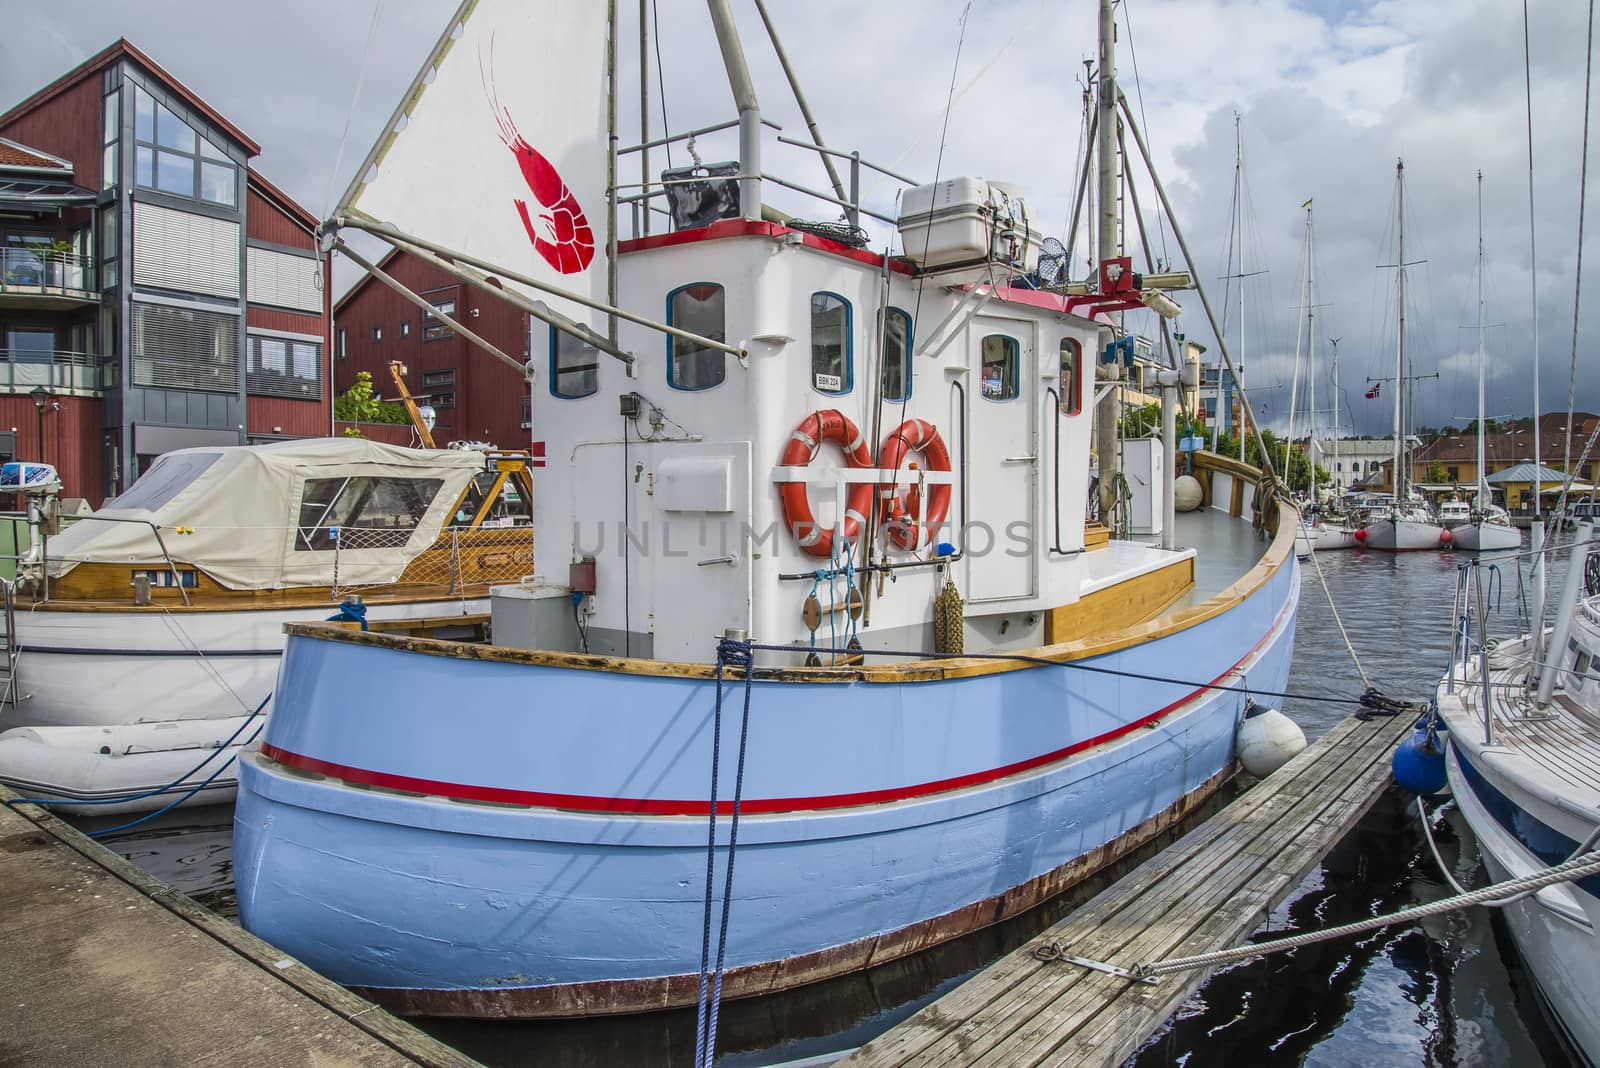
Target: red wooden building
{"type": "Point", "coordinates": [155, 291]}
{"type": "Point", "coordinates": [475, 397]}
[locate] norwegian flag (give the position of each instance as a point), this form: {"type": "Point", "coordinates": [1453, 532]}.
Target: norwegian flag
{"type": "Point", "coordinates": [1372, 394]}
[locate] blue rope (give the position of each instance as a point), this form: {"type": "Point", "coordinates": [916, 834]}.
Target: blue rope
{"type": "Point", "coordinates": [174, 784]}
{"type": "Point", "coordinates": [163, 810]}
{"type": "Point", "coordinates": [701, 1008]}
{"type": "Point", "coordinates": [737, 654]}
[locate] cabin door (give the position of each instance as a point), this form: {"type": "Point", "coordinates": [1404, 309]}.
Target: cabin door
{"type": "Point", "coordinates": [696, 497]}
{"type": "Point", "coordinates": [1002, 472]}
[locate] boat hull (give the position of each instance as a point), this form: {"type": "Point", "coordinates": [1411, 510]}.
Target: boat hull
{"type": "Point", "coordinates": [1325, 537]}
{"type": "Point", "coordinates": [103, 668]}
{"type": "Point", "coordinates": [1404, 535]}
{"type": "Point", "coordinates": [1485, 537]}
{"type": "Point", "coordinates": [1556, 929]}
{"type": "Point", "coordinates": [561, 869]}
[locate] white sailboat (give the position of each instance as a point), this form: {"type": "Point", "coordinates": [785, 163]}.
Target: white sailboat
{"type": "Point", "coordinates": [1319, 532]}
{"type": "Point", "coordinates": [1409, 524]}
{"type": "Point", "coordinates": [1489, 527]}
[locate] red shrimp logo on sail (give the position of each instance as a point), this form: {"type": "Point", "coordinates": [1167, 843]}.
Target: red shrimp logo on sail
{"type": "Point", "coordinates": [561, 233]}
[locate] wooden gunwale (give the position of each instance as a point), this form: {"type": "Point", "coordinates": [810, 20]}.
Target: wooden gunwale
{"type": "Point", "coordinates": [1279, 554]}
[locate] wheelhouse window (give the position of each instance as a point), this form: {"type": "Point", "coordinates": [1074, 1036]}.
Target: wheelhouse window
{"type": "Point", "coordinates": [702, 309]}
{"type": "Point", "coordinates": [830, 343]}
{"type": "Point", "coordinates": [896, 383]}
{"type": "Point", "coordinates": [1071, 376]}
{"type": "Point", "coordinates": [362, 512]}
{"type": "Point", "coordinates": [1001, 354]}
{"type": "Point", "coordinates": [574, 366]}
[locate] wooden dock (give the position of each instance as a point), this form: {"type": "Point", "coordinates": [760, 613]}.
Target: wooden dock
{"type": "Point", "coordinates": [104, 964]}
{"type": "Point", "coordinates": [1209, 890]}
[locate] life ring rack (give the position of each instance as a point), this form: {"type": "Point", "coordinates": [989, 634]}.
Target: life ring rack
{"type": "Point", "coordinates": [829, 424]}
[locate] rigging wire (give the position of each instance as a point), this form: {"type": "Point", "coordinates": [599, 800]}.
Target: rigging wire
{"type": "Point", "coordinates": [1144, 121]}
{"type": "Point", "coordinates": [344, 135]}
{"type": "Point", "coordinates": [661, 77]}
{"type": "Point", "coordinates": [1533, 250]}
{"type": "Point", "coordinates": [1577, 274]}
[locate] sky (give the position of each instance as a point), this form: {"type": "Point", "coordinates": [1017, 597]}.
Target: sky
{"type": "Point", "coordinates": [1328, 94]}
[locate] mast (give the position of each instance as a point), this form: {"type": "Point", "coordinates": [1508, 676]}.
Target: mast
{"type": "Point", "coordinates": [1483, 481]}
{"type": "Point", "coordinates": [1311, 354]}
{"type": "Point", "coordinates": [1400, 344]}
{"type": "Point", "coordinates": [1109, 412]}
{"type": "Point", "coordinates": [1238, 228]}
{"type": "Point", "coordinates": [1338, 482]}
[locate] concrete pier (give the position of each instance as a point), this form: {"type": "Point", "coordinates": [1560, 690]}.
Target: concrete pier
{"type": "Point", "coordinates": [103, 964]}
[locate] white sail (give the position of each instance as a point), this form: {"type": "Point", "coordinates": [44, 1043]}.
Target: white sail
{"type": "Point", "coordinates": [502, 152]}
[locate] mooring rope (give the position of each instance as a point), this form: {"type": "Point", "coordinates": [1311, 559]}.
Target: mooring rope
{"type": "Point", "coordinates": [730, 653]}
{"type": "Point", "coordinates": [1577, 868]}
{"type": "Point", "coordinates": [1338, 622]}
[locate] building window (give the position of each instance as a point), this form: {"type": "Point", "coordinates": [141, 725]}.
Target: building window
{"type": "Point", "coordinates": [434, 329]}
{"type": "Point", "coordinates": [110, 138]}
{"type": "Point", "coordinates": [442, 400]}
{"type": "Point", "coordinates": [434, 379]}
{"type": "Point", "coordinates": [1452, 473]}
{"type": "Point", "coordinates": [170, 156]}
{"type": "Point", "coordinates": [1071, 377]}
{"type": "Point", "coordinates": [574, 366]}
{"type": "Point", "coordinates": [29, 343]}
{"type": "Point", "coordinates": [110, 247]}
{"type": "Point", "coordinates": [405, 327]}
{"type": "Point", "coordinates": [184, 348]}
{"type": "Point", "coordinates": [527, 411]}
{"type": "Point", "coordinates": [896, 383]}
{"type": "Point", "coordinates": [284, 367]}
{"type": "Point", "coordinates": [702, 309]}
{"type": "Point", "coordinates": [362, 511]}
{"type": "Point", "coordinates": [830, 343]}
{"type": "Point", "coordinates": [1001, 355]}
{"type": "Point", "coordinates": [377, 333]}
{"type": "Point", "coordinates": [341, 343]}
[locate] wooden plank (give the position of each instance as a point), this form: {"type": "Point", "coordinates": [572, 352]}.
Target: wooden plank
{"type": "Point", "coordinates": [108, 964]}
{"type": "Point", "coordinates": [1211, 888]}
{"type": "Point", "coordinates": [1120, 605]}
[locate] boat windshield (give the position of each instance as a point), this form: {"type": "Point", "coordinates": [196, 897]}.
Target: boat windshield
{"type": "Point", "coordinates": [170, 475]}
{"type": "Point", "coordinates": [362, 512]}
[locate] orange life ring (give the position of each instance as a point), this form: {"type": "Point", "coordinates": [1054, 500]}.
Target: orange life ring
{"type": "Point", "coordinates": [826, 425]}
{"type": "Point", "coordinates": [899, 511]}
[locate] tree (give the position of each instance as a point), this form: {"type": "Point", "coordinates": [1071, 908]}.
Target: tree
{"type": "Point", "coordinates": [1437, 473]}
{"type": "Point", "coordinates": [358, 404]}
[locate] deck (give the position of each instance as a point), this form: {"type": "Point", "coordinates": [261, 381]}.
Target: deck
{"type": "Point", "coordinates": [104, 964]}
{"type": "Point", "coordinates": [1207, 891]}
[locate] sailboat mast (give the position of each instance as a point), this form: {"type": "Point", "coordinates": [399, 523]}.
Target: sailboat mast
{"type": "Point", "coordinates": [1311, 354]}
{"type": "Point", "coordinates": [1400, 343]}
{"type": "Point", "coordinates": [1483, 482]}
{"type": "Point", "coordinates": [1338, 484]}
{"type": "Point", "coordinates": [1109, 412]}
{"type": "Point", "coordinates": [1238, 228]}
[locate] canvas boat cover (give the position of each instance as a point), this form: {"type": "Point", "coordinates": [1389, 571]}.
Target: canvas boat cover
{"type": "Point", "coordinates": [262, 517]}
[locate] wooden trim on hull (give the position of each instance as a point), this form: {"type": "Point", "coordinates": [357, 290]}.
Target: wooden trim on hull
{"type": "Point", "coordinates": [625, 996]}
{"type": "Point", "coordinates": [1122, 605]}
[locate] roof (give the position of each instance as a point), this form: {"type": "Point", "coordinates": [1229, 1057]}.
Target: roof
{"type": "Point", "coordinates": [361, 283]}
{"type": "Point", "coordinates": [102, 59]}
{"type": "Point", "coordinates": [17, 154]}
{"type": "Point", "coordinates": [281, 199]}
{"type": "Point", "coordinates": [1525, 473]}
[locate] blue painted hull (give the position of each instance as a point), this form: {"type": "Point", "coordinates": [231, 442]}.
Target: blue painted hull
{"type": "Point", "coordinates": [493, 838]}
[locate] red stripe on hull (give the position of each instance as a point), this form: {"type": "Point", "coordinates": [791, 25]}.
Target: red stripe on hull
{"type": "Point", "coordinates": [644, 806]}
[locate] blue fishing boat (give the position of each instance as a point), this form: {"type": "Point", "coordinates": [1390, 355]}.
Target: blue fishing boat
{"type": "Point", "coordinates": [961, 696]}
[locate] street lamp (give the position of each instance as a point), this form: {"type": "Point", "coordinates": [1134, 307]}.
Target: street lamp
{"type": "Point", "coordinates": [41, 396]}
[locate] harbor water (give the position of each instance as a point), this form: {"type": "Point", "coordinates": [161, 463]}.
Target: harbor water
{"type": "Point", "coordinates": [1447, 991]}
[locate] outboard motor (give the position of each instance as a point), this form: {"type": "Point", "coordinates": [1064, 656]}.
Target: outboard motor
{"type": "Point", "coordinates": [39, 483]}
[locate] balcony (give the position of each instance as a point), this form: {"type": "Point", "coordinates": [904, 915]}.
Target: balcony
{"type": "Point", "coordinates": [38, 279]}
{"type": "Point", "coordinates": [72, 373]}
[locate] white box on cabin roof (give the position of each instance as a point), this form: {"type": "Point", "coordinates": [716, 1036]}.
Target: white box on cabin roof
{"type": "Point", "coordinates": [951, 222]}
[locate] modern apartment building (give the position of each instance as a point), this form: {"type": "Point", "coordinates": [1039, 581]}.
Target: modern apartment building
{"type": "Point", "coordinates": [475, 397]}
{"type": "Point", "coordinates": [155, 292]}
